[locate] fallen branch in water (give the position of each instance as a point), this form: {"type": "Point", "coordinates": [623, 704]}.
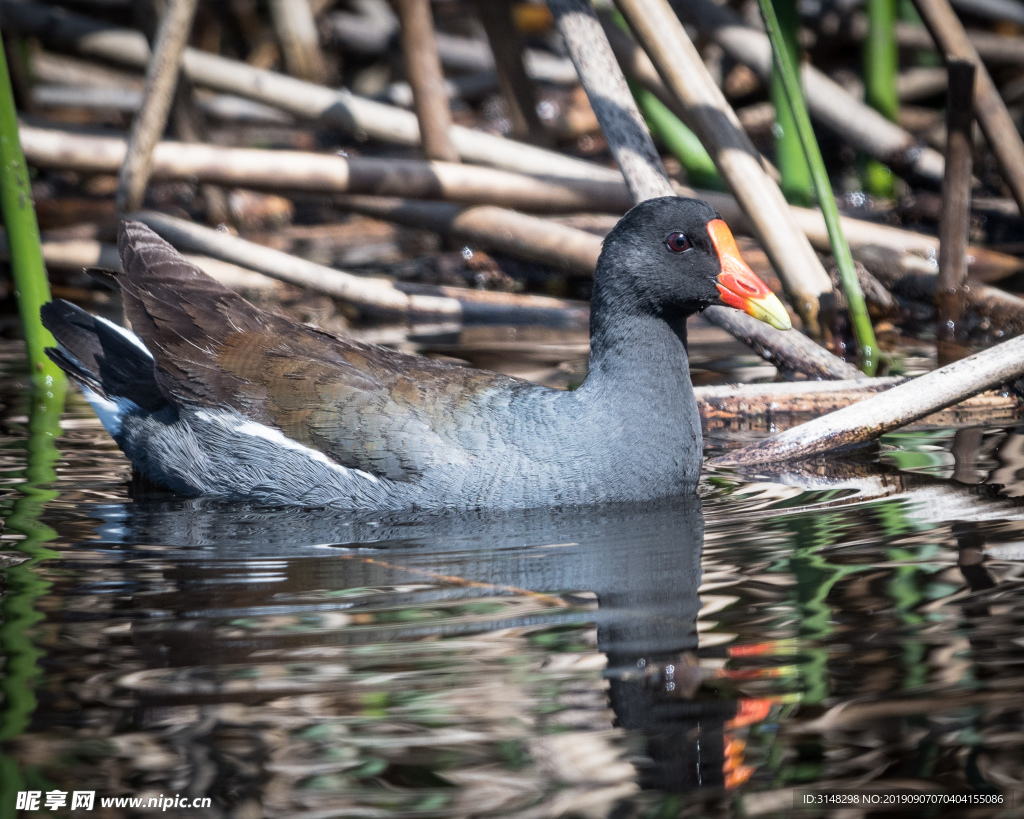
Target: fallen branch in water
{"type": "Point", "coordinates": [902, 405]}
{"type": "Point", "coordinates": [792, 352]}
{"type": "Point", "coordinates": [375, 296]}
{"type": "Point", "coordinates": [749, 407]}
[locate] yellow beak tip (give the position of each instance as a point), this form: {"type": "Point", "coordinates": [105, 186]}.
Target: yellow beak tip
{"type": "Point", "coordinates": [770, 310]}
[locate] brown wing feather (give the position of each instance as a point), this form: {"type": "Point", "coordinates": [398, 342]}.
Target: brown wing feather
{"type": "Point", "coordinates": [367, 407]}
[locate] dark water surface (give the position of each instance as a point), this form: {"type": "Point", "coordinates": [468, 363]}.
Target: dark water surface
{"type": "Point", "coordinates": [703, 657]}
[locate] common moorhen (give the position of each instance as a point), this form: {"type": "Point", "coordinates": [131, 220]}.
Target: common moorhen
{"type": "Point", "coordinates": [211, 396]}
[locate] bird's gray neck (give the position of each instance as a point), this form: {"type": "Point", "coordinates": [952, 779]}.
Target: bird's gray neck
{"type": "Point", "coordinates": [637, 409]}
{"type": "Point", "coordinates": [638, 357]}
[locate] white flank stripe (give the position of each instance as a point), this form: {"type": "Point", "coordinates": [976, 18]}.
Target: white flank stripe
{"type": "Point", "coordinates": [275, 436]}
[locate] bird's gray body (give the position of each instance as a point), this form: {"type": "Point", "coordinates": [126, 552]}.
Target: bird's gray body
{"type": "Point", "coordinates": [522, 447]}
{"type": "Point", "coordinates": [216, 398]}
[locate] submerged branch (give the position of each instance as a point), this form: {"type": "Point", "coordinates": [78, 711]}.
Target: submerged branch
{"type": "Point", "coordinates": [902, 405]}
{"type": "Point", "coordinates": [747, 407]}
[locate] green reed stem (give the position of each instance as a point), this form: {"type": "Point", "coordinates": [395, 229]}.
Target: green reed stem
{"type": "Point", "coordinates": [679, 140]}
{"type": "Point", "coordinates": [784, 65]}
{"type": "Point", "coordinates": [797, 183]}
{"type": "Point", "coordinates": [24, 586]}
{"type": "Point", "coordinates": [19, 217]}
{"type": "Point", "coordinates": [881, 65]}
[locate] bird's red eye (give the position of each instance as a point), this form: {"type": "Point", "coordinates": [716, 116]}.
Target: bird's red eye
{"type": "Point", "coordinates": [677, 242]}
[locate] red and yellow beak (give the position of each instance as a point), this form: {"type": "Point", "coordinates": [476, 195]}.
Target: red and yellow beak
{"type": "Point", "coordinates": [739, 285]}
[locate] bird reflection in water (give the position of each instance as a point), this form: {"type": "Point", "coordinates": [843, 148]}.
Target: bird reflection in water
{"type": "Point", "coordinates": [642, 563]}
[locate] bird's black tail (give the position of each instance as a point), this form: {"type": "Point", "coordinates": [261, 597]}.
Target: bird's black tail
{"type": "Point", "coordinates": [111, 361]}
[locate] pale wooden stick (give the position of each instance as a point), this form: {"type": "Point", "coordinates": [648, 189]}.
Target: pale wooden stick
{"type": "Point", "coordinates": [377, 296]}
{"type": "Point", "coordinates": [149, 123]}
{"type": "Point", "coordinates": [363, 35]}
{"type": "Point", "coordinates": [491, 227]}
{"type": "Point", "coordinates": [469, 184]}
{"type": "Point", "coordinates": [622, 123]}
{"type": "Point", "coordinates": [758, 406]}
{"type": "Point", "coordinates": [327, 173]}
{"type": "Point", "coordinates": [423, 70]}
{"type": "Point", "coordinates": [898, 407]}
{"type": "Point", "coordinates": [638, 65]}
{"type": "Point", "coordinates": [714, 121]}
{"type": "Point", "coordinates": [995, 121]}
{"type": "Point", "coordinates": [791, 352]}
{"type": "Point", "coordinates": [299, 39]}
{"type": "Point", "coordinates": [76, 254]}
{"type": "Point", "coordinates": [861, 235]}
{"type": "Point", "coordinates": [348, 112]}
{"type": "Point", "coordinates": [920, 83]}
{"type": "Point", "coordinates": [994, 49]}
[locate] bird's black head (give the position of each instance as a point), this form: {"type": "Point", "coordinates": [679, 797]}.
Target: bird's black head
{"type": "Point", "coordinates": [674, 256]}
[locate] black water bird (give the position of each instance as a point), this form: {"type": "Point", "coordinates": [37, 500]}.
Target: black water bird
{"type": "Point", "coordinates": [211, 396]}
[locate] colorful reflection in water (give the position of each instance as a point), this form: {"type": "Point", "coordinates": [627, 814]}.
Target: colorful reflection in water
{"type": "Point", "coordinates": [700, 657]}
